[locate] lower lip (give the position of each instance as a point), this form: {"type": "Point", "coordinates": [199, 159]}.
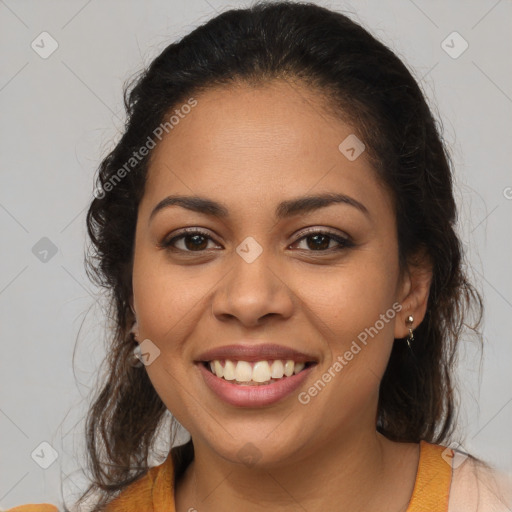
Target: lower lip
{"type": "Point", "coordinates": [253, 396]}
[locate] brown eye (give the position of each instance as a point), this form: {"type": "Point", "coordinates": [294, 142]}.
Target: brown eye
{"type": "Point", "coordinates": [320, 241]}
{"type": "Point", "coordinates": [194, 240]}
{"type": "Point", "coordinates": [197, 242]}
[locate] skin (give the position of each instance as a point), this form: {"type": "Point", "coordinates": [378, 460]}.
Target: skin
{"type": "Point", "coordinates": [251, 148]}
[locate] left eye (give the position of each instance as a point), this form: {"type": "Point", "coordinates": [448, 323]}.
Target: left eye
{"type": "Point", "coordinates": [197, 241]}
{"type": "Point", "coordinates": [322, 239]}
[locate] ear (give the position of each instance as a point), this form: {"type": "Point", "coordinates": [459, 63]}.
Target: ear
{"type": "Point", "coordinates": [414, 290]}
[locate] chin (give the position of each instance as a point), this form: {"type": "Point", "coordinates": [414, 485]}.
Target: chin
{"type": "Point", "coordinates": [258, 451]}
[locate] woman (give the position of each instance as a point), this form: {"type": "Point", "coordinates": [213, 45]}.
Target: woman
{"type": "Point", "coordinates": [276, 227]}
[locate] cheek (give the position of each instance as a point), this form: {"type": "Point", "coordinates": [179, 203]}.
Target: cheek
{"type": "Point", "coordinates": [356, 313]}
{"type": "Point", "coordinates": [352, 298]}
{"type": "Point", "coordinates": [169, 305]}
{"type": "Point", "coordinates": [171, 382]}
{"type": "Point", "coordinates": [168, 299]}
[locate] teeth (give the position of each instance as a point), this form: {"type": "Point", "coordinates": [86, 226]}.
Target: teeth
{"type": "Point", "coordinates": [288, 368]}
{"type": "Point", "coordinates": [259, 372]}
{"type": "Point", "coordinates": [229, 370]}
{"type": "Point", "coordinates": [277, 370]}
{"type": "Point", "coordinates": [243, 371]}
{"type": "Point", "coordinates": [219, 371]}
{"type": "Point", "coordinates": [298, 368]}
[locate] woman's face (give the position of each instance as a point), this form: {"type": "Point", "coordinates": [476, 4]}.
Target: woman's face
{"type": "Point", "coordinates": [322, 281]}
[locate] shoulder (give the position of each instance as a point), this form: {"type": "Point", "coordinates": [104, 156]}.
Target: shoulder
{"type": "Point", "coordinates": [478, 487]}
{"type": "Point", "coordinates": [137, 494]}
{"type": "Point", "coordinates": [153, 491]}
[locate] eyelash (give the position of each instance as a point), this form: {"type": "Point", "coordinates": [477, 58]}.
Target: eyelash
{"type": "Point", "coordinates": [344, 243]}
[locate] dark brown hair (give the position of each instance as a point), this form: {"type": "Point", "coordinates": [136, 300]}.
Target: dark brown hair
{"type": "Point", "coordinates": [362, 81]}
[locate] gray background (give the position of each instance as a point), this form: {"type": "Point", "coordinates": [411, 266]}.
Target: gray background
{"type": "Point", "coordinates": [61, 115]}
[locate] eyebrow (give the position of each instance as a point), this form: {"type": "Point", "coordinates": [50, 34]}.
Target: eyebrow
{"type": "Point", "coordinates": [284, 210]}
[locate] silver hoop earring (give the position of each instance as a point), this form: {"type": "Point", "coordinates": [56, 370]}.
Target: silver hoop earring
{"type": "Point", "coordinates": [410, 338]}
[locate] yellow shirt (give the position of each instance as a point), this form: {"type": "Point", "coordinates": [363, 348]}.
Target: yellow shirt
{"type": "Point", "coordinates": [154, 491]}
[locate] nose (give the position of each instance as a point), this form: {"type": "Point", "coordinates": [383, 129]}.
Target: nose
{"type": "Point", "coordinates": [252, 291]}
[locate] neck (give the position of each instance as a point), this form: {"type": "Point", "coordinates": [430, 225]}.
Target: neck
{"type": "Point", "coordinates": [362, 471]}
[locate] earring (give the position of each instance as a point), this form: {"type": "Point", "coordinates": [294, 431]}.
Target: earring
{"type": "Point", "coordinates": [409, 323]}
{"type": "Point", "coordinates": [136, 356]}
{"type": "Point", "coordinates": [135, 330]}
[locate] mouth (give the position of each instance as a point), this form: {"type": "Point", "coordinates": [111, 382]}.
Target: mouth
{"type": "Point", "coordinates": [255, 373]}
{"type": "Point", "coordinates": [259, 383]}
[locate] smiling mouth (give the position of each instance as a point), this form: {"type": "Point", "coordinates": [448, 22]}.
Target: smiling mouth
{"type": "Point", "coordinates": [255, 373]}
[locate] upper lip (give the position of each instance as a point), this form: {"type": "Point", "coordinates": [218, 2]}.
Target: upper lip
{"type": "Point", "coordinates": [252, 352]}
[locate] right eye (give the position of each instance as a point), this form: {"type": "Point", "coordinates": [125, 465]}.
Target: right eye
{"type": "Point", "coordinates": [194, 240]}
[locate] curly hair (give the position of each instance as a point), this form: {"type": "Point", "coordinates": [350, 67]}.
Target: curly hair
{"type": "Point", "coordinates": [366, 84]}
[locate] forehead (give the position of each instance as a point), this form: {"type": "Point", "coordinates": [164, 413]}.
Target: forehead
{"type": "Point", "coordinates": [247, 142]}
